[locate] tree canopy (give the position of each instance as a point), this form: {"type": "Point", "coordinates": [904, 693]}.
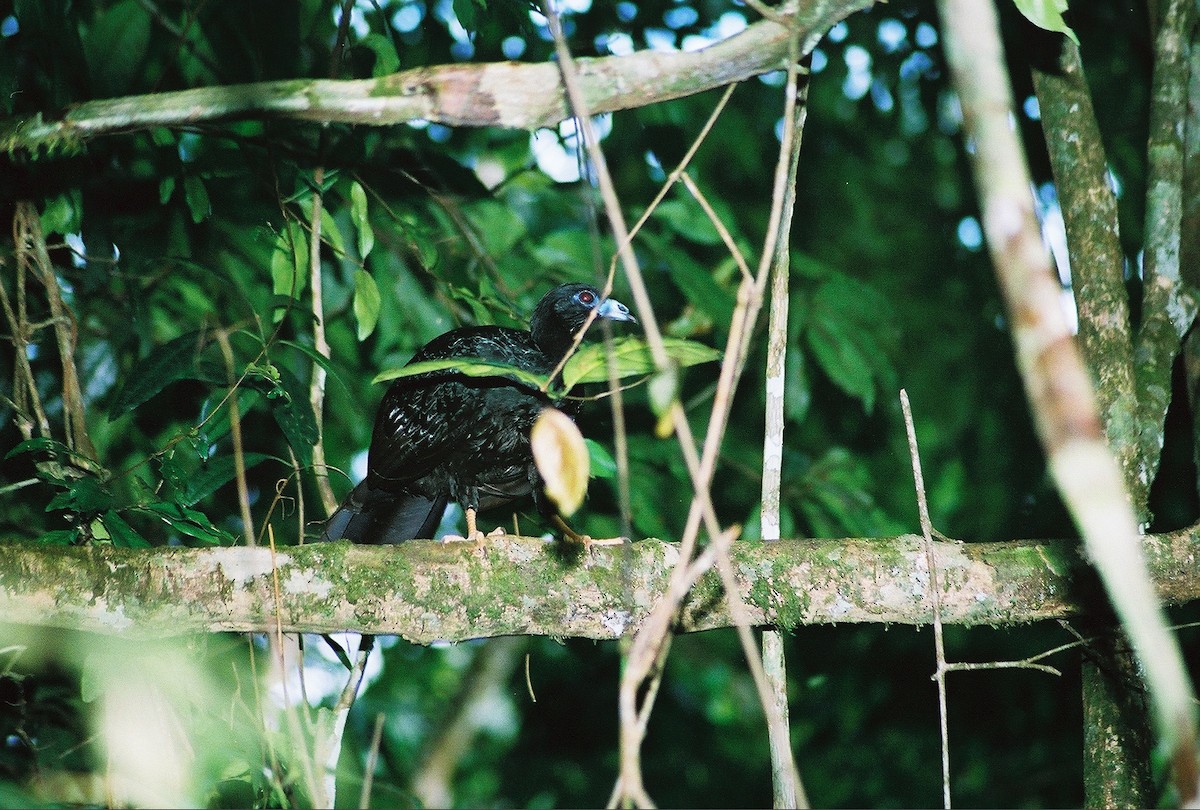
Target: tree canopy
{"type": "Point", "coordinates": [230, 221]}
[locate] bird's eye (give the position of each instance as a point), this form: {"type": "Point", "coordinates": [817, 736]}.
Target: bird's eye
{"type": "Point", "coordinates": [587, 298]}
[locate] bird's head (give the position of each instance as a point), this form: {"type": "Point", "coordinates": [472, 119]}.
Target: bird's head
{"type": "Point", "coordinates": [562, 312]}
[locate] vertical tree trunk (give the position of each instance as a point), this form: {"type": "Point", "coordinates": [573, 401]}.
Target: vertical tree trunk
{"type": "Point", "coordinates": [1116, 737]}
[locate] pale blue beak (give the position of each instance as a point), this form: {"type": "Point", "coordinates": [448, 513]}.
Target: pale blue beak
{"type": "Point", "coordinates": [614, 310]}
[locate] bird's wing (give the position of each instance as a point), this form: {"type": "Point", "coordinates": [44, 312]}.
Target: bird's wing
{"type": "Point", "coordinates": [419, 423]}
{"type": "Point", "coordinates": [427, 418]}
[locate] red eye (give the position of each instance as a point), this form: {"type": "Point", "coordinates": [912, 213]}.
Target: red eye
{"type": "Point", "coordinates": [587, 298]}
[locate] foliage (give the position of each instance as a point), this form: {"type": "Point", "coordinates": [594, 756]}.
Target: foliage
{"type": "Point", "coordinates": [184, 256]}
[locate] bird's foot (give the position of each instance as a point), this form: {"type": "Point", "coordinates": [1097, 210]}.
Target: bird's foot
{"type": "Point", "coordinates": [591, 542]}
{"type": "Point", "coordinates": [480, 539]}
{"type": "Point", "coordinates": [474, 533]}
{"type": "Point", "coordinates": [477, 537]}
{"type": "Point", "coordinates": [584, 540]}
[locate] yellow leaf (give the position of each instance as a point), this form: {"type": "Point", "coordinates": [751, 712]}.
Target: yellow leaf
{"type": "Point", "coordinates": [561, 456]}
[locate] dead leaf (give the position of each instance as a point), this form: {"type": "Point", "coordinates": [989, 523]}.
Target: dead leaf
{"type": "Point", "coordinates": [561, 456]}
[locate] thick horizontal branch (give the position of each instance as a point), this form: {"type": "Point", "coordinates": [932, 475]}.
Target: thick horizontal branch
{"type": "Point", "coordinates": [501, 94]}
{"type": "Point", "coordinates": [426, 591]}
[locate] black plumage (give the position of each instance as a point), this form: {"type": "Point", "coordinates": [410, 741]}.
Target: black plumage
{"type": "Point", "coordinates": [443, 436]}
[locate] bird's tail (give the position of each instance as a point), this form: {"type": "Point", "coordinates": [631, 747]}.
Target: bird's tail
{"type": "Point", "coordinates": [374, 516]}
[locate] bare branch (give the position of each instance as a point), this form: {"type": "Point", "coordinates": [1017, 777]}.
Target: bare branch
{"type": "Point", "coordinates": [935, 591]}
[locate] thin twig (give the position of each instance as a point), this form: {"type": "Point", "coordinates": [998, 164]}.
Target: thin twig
{"type": "Point", "coordinates": [327, 737]}
{"type": "Point", "coordinates": [300, 751]}
{"type": "Point", "coordinates": [364, 795]}
{"type": "Point", "coordinates": [1024, 663]}
{"type": "Point", "coordinates": [25, 393]}
{"type": "Point", "coordinates": [31, 249]}
{"type": "Point", "coordinates": [678, 172]}
{"type": "Point", "coordinates": [645, 647]}
{"type": "Point", "coordinates": [934, 590]}
{"type": "Point", "coordinates": [316, 389]}
{"type": "Point", "coordinates": [235, 436]}
{"type": "Point", "coordinates": [722, 231]}
{"type": "Point", "coordinates": [785, 773]}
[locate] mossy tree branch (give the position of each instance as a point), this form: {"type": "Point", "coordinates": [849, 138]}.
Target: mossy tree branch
{"type": "Point", "coordinates": [500, 94]}
{"type": "Point", "coordinates": [426, 591]}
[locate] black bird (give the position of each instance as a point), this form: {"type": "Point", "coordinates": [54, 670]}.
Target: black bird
{"type": "Point", "coordinates": [443, 436]}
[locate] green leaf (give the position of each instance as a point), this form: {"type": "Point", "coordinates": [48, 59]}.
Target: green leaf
{"type": "Point", "coordinates": [465, 10]}
{"type": "Point", "coordinates": [362, 222]}
{"type": "Point", "coordinates": [294, 415]}
{"type": "Point", "coordinates": [176, 465]}
{"type": "Point", "coordinates": [565, 249]}
{"type": "Point", "coordinates": [320, 360]}
{"type": "Point", "coordinates": [697, 284]}
{"type": "Point", "coordinates": [63, 466]}
{"type": "Point", "coordinates": [196, 196]}
{"type": "Point", "coordinates": [163, 138]}
{"type": "Point", "coordinates": [797, 394]}
{"type": "Point", "coordinates": [116, 47]}
{"type": "Point", "coordinates": [632, 357]}
{"type": "Point", "coordinates": [204, 526]}
{"type": "Point", "coordinates": [844, 325]}
{"type": "Point", "coordinates": [366, 303]}
{"type": "Point", "coordinates": [331, 234]}
{"type": "Point", "coordinates": [836, 351]}
{"type": "Point", "coordinates": [477, 302]}
{"type": "Point", "coordinates": [1047, 14]}
{"type": "Point", "coordinates": [386, 59]}
{"type": "Point", "coordinates": [836, 501]}
{"type": "Point", "coordinates": [289, 263]}
{"type": "Point", "coordinates": [470, 368]}
{"type": "Point", "coordinates": [63, 214]}
{"type": "Point", "coordinates": [83, 495]}
{"type": "Point", "coordinates": [122, 533]}
{"type": "Point", "coordinates": [172, 361]}
{"type": "Point", "coordinates": [59, 537]}
{"type": "Point", "coordinates": [603, 465]}
{"type": "Point", "coordinates": [166, 187]}
{"type": "Point", "coordinates": [39, 443]}
{"type": "Point", "coordinates": [214, 474]}
{"type": "Point", "coordinates": [421, 241]}
{"type": "Point", "coordinates": [687, 219]}
{"type": "Point", "coordinates": [497, 224]}
{"type": "Point", "coordinates": [212, 425]}
{"type": "Point", "coordinates": [188, 522]}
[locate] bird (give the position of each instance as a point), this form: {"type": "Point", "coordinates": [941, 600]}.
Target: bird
{"type": "Point", "coordinates": [442, 436]}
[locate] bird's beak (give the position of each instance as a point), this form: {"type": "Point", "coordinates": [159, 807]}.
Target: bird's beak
{"type": "Point", "coordinates": [614, 310]}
